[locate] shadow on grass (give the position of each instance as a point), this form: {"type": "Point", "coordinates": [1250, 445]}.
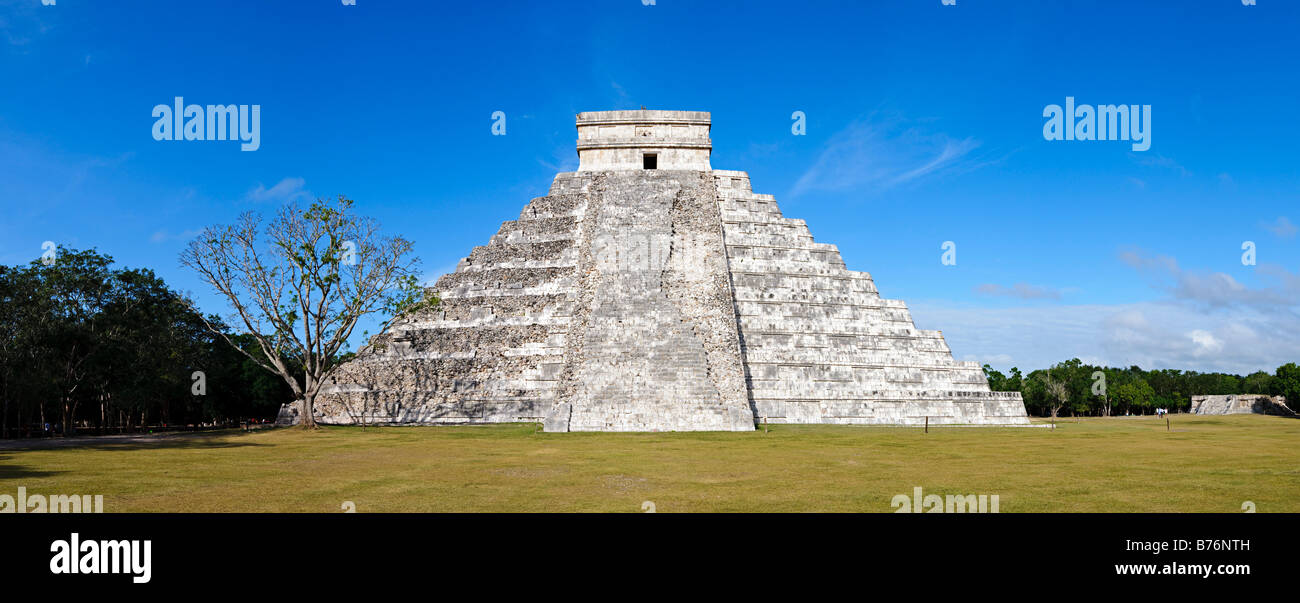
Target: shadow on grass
{"type": "Point", "coordinates": [12, 471]}
{"type": "Point", "coordinates": [231, 438]}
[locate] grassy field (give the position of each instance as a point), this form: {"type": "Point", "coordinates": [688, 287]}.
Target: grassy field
{"type": "Point", "coordinates": [1210, 464]}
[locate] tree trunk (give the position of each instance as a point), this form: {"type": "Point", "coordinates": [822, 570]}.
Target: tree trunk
{"type": "Point", "coordinates": [307, 418]}
{"type": "Point", "coordinates": [66, 416]}
{"type": "Point", "coordinates": [6, 409]}
{"type": "Point", "coordinates": [69, 411]}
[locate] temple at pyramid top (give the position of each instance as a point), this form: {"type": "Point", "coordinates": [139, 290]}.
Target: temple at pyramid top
{"type": "Point", "coordinates": [643, 140]}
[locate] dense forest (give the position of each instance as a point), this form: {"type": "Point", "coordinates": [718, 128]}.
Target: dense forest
{"type": "Point", "coordinates": [1073, 388]}
{"type": "Point", "coordinates": [87, 347]}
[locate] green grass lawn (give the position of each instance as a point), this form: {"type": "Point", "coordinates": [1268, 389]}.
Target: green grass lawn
{"type": "Point", "coordinates": [1207, 464]}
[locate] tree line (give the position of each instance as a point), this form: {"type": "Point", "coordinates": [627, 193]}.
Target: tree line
{"type": "Point", "coordinates": [1077, 389]}
{"type": "Point", "coordinates": [88, 346]}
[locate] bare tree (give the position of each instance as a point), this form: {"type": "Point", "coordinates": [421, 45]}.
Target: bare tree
{"type": "Point", "coordinates": [301, 293]}
{"type": "Point", "coordinates": [1057, 392]}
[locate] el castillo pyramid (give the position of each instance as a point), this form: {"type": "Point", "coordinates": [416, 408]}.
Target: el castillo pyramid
{"type": "Point", "coordinates": [650, 292]}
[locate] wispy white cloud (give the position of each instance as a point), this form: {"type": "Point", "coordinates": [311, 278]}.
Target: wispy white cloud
{"type": "Point", "coordinates": [562, 159]}
{"type": "Point", "coordinates": [288, 189]}
{"type": "Point", "coordinates": [1216, 289]}
{"type": "Point", "coordinates": [1281, 227]}
{"type": "Point", "coordinates": [883, 153]}
{"type": "Point", "coordinates": [996, 360]}
{"type": "Point", "coordinates": [430, 277]}
{"type": "Point", "coordinates": [1159, 161]}
{"type": "Point", "coordinates": [622, 98]}
{"type": "Point", "coordinates": [1020, 290]}
{"type": "Point", "coordinates": [24, 21]}
{"type": "Point", "coordinates": [163, 235]}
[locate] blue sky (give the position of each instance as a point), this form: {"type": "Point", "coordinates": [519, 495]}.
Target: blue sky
{"type": "Point", "coordinates": [924, 125]}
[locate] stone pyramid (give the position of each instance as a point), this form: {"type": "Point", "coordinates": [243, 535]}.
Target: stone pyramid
{"type": "Point", "coordinates": [650, 292]}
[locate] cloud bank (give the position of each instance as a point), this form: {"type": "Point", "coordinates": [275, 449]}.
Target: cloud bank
{"type": "Point", "coordinates": [1207, 321]}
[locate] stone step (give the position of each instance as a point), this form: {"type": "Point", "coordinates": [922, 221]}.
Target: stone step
{"type": "Point", "coordinates": [755, 220]}
{"type": "Point", "coordinates": [777, 277]}
{"type": "Point", "coordinates": [781, 295]}
{"type": "Point", "coordinates": [775, 341]}
{"type": "Point", "coordinates": [464, 282]}
{"type": "Point", "coordinates": [756, 359]}
{"type": "Point", "coordinates": [554, 206]}
{"type": "Point", "coordinates": [812, 267]}
{"type": "Point", "coordinates": [742, 257]}
{"type": "Point", "coordinates": [871, 378]}
{"type": "Point", "coordinates": [836, 312]}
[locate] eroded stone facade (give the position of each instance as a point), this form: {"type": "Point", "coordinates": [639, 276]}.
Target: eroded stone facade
{"type": "Point", "coordinates": [1241, 404]}
{"type": "Point", "coordinates": [674, 298]}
